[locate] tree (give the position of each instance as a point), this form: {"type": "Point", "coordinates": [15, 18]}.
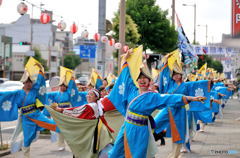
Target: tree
{"type": "Point", "coordinates": [211, 63]}
{"type": "Point", "coordinates": [237, 72]}
{"type": "Point", "coordinates": [71, 60]}
{"type": "Point", "coordinates": [155, 29]}
{"type": "Point", "coordinates": [38, 57]}
{"type": "Point", "coordinates": [132, 35]}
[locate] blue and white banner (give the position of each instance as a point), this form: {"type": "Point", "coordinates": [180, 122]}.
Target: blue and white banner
{"type": "Point", "coordinates": [199, 50]}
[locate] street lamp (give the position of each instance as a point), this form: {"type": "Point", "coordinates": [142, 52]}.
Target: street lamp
{"type": "Point", "coordinates": [206, 26]}
{"type": "Point", "coordinates": [194, 6]}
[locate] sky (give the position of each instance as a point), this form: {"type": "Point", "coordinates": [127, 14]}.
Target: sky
{"type": "Point", "coordinates": [216, 14]}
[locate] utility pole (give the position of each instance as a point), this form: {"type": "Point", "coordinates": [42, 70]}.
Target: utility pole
{"type": "Point", "coordinates": [31, 29]}
{"type": "Point", "coordinates": [206, 34]}
{"type": "Point", "coordinates": [122, 23]}
{"type": "Point", "coordinates": [6, 41]}
{"type": "Point", "coordinates": [173, 12]}
{"type": "Point", "coordinates": [101, 30]}
{"type": "Point", "coordinates": [195, 19]}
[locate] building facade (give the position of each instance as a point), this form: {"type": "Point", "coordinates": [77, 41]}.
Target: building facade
{"type": "Point", "coordinates": [35, 35]}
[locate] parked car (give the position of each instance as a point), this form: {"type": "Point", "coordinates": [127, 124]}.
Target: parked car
{"type": "Point", "coordinates": [2, 80]}
{"type": "Point", "coordinates": [83, 80]}
{"type": "Point", "coordinates": [11, 85]}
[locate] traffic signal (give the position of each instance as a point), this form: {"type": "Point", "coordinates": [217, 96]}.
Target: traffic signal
{"type": "Point", "coordinates": [24, 43]}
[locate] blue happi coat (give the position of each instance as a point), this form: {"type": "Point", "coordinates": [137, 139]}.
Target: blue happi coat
{"type": "Point", "coordinates": [194, 88]}
{"type": "Point", "coordinates": [69, 98]}
{"type": "Point", "coordinates": [221, 88]}
{"type": "Point", "coordinates": [32, 118]}
{"type": "Point", "coordinates": [133, 137]}
{"type": "Point", "coordinates": [215, 106]}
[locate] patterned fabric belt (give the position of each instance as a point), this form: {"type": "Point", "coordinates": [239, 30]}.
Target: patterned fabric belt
{"type": "Point", "coordinates": [136, 119]}
{"type": "Point", "coordinates": [64, 105]}
{"type": "Point", "coordinates": [28, 109]}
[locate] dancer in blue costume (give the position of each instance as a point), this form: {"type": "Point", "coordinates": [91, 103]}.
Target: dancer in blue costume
{"type": "Point", "coordinates": [215, 97]}
{"type": "Point", "coordinates": [182, 118]}
{"type": "Point", "coordinates": [66, 97]}
{"type": "Point", "coordinates": [136, 105]}
{"type": "Point", "coordinates": [28, 100]}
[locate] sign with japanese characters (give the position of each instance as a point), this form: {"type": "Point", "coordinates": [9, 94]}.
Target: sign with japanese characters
{"type": "Point", "coordinates": [86, 51]}
{"type": "Point", "coordinates": [211, 50]}
{"type": "Point", "coordinates": [235, 17]}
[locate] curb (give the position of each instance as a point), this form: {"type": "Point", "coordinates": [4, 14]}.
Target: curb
{"type": "Point", "coordinates": [4, 153]}
{"type": "Point", "coordinates": [44, 136]}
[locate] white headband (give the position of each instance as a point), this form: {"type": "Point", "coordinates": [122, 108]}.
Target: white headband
{"type": "Point", "coordinates": [95, 92]}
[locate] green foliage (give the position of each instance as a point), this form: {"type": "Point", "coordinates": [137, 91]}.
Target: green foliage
{"type": "Point", "coordinates": [4, 147]}
{"type": "Point", "coordinates": [132, 36]}
{"type": "Point", "coordinates": [211, 63]}
{"type": "Point", "coordinates": [38, 57]}
{"type": "Point", "coordinates": [115, 54]}
{"type": "Point", "coordinates": [238, 74]}
{"type": "Point", "coordinates": [71, 60]}
{"type": "Point", "coordinates": [156, 31]}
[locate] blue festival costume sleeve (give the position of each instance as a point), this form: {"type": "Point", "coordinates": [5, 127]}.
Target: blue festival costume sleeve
{"type": "Point", "coordinates": [73, 93]}
{"type": "Point", "coordinates": [123, 91]}
{"type": "Point", "coordinates": [199, 88]}
{"type": "Point", "coordinates": [82, 98]}
{"type": "Point", "coordinates": [165, 79]}
{"type": "Point", "coordinates": [8, 105]}
{"type": "Point", "coordinates": [215, 106]}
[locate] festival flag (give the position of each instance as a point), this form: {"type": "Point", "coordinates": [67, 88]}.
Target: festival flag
{"type": "Point", "coordinates": [185, 46]}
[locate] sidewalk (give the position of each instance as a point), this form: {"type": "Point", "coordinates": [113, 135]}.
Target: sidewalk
{"type": "Point", "coordinates": [220, 140]}
{"type": "Point", "coordinates": [41, 148]}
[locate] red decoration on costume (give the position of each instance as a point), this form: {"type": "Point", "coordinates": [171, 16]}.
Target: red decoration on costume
{"type": "Point", "coordinates": [86, 113]}
{"type": "Point", "coordinates": [45, 18]}
{"type": "Point", "coordinates": [107, 104]}
{"type": "Point", "coordinates": [106, 124]}
{"type": "Point", "coordinates": [74, 28]}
